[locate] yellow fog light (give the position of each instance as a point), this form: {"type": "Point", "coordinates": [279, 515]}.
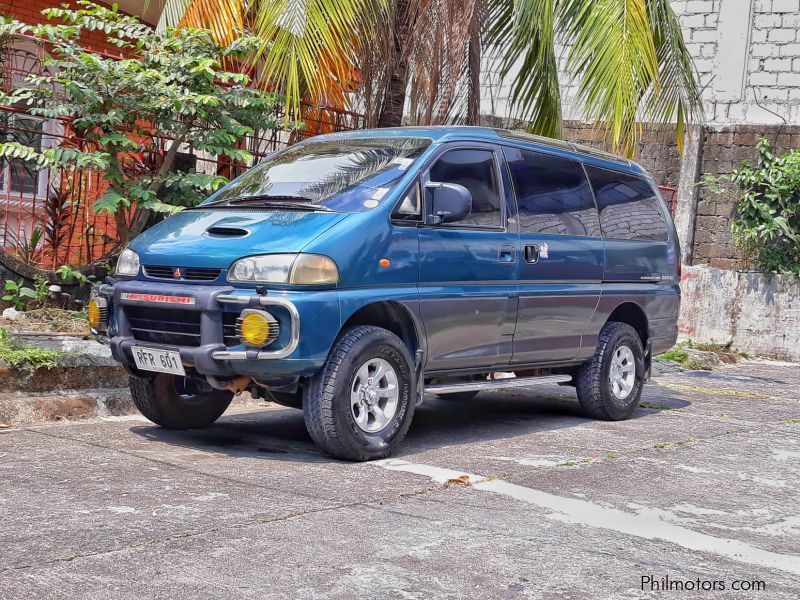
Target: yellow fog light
{"type": "Point", "coordinates": [257, 328]}
{"type": "Point", "coordinates": [97, 313]}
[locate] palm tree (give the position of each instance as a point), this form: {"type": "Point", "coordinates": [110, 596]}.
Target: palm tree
{"type": "Point", "coordinates": [422, 58]}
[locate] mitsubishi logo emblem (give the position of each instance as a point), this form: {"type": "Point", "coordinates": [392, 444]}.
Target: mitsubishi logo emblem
{"type": "Point", "coordinates": [177, 273]}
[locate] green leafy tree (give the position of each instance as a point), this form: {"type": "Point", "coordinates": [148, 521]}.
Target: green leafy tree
{"type": "Point", "coordinates": [176, 89]}
{"type": "Point", "coordinates": [767, 222]}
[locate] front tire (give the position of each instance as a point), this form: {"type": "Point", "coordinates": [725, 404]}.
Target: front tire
{"type": "Point", "coordinates": [360, 405]}
{"type": "Point", "coordinates": [610, 385]}
{"type": "Point", "coordinates": [177, 402]}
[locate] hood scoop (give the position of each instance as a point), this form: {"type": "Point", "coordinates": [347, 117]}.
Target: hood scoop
{"type": "Point", "coordinates": [222, 231]}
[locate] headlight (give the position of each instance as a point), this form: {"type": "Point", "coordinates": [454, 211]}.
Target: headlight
{"type": "Point", "coordinates": [299, 269]}
{"type": "Point", "coordinates": [128, 263]}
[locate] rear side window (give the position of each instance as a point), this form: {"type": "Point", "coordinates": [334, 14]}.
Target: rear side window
{"type": "Point", "coordinates": [475, 170]}
{"type": "Point", "coordinates": [553, 195]}
{"type": "Point", "coordinates": [629, 207]}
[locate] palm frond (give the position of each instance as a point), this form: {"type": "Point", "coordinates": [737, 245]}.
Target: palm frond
{"type": "Point", "coordinates": [224, 18]}
{"type": "Point", "coordinates": [521, 36]}
{"type": "Point", "coordinates": [613, 57]}
{"type": "Point", "coordinates": [308, 46]}
{"type": "Point", "coordinates": [677, 95]}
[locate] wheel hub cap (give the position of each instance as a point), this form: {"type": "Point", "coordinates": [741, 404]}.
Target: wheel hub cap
{"type": "Point", "coordinates": [622, 374]}
{"type": "Point", "coordinates": [374, 395]}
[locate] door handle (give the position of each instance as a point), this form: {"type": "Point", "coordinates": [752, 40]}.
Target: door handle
{"type": "Point", "coordinates": [532, 253]}
{"type": "Point", "coordinates": [506, 253]}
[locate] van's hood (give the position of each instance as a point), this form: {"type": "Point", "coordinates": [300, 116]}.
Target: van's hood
{"type": "Point", "coordinates": [185, 240]}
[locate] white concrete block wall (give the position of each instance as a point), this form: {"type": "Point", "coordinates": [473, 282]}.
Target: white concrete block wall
{"type": "Point", "coordinates": [746, 52]}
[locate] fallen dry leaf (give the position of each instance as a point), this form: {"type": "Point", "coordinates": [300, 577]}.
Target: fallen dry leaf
{"type": "Point", "coordinates": [460, 480]}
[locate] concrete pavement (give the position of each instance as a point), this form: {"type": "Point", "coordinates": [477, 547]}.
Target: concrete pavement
{"type": "Point", "coordinates": [510, 495]}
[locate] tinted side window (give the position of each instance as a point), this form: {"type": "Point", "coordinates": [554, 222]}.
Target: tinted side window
{"type": "Point", "coordinates": [475, 170]}
{"type": "Point", "coordinates": [629, 208]}
{"type": "Point", "coordinates": [553, 195]}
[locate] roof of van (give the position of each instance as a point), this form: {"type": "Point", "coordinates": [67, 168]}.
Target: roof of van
{"type": "Point", "coordinates": [451, 133]}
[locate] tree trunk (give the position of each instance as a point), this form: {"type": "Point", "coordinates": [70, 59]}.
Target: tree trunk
{"type": "Point", "coordinates": [474, 99]}
{"type": "Point", "coordinates": [394, 99]}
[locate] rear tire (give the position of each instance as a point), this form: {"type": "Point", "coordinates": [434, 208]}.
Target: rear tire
{"type": "Point", "coordinates": [177, 402]}
{"type": "Point", "coordinates": [359, 406]}
{"type": "Point", "coordinates": [610, 385]}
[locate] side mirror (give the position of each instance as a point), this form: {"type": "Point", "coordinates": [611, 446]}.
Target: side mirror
{"type": "Point", "coordinates": [451, 202]}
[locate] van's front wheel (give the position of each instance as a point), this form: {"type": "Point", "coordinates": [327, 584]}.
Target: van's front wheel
{"type": "Point", "coordinates": [178, 402]}
{"type": "Point", "coordinates": [610, 385]}
{"type": "Point", "coordinates": [359, 406]}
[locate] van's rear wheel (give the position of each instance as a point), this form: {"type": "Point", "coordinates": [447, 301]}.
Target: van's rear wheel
{"type": "Point", "coordinates": [178, 402]}
{"type": "Point", "coordinates": [610, 385]}
{"type": "Point", "coordinates": [359, 406]}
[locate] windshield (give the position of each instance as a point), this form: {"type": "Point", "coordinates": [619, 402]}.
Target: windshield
{"type": "Point", "coordinates": [349, 174]}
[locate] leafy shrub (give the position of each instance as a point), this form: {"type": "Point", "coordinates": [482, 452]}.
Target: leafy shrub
{"type": "Point", "coordinates": [767, 222]}
{"type": "Point", "coordinates": [21, 296]}
{"type": "Point", "coordinates": [26, 359]}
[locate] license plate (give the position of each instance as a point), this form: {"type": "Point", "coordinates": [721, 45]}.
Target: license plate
{"type": "Point", "coordinates": [160, 361]}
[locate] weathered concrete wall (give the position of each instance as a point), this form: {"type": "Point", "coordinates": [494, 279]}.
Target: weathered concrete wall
{"type": "Point", "coordinates": [745, 309]}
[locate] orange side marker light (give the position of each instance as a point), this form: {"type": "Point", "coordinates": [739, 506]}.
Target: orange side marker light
{"type": "Point", "coordinates": [384, 262]}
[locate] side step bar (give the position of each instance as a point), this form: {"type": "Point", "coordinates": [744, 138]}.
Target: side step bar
{"type": "Point", "coordinates": [496, 384]}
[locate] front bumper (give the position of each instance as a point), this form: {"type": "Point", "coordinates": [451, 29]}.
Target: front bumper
{"type": "Point", "coordinates": [214, 353]}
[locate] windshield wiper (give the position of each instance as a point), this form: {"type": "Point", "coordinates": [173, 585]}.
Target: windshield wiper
{"type": "Point", "coordinates": [293, 202]}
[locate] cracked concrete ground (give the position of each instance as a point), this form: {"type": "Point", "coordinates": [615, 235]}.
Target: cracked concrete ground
{"type": "Point", "coordinates": [512, 494]}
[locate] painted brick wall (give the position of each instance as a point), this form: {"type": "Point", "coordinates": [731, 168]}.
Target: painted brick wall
{"type": "Point", "coordinates": [724, 149]}
{"type": "Point", "coordinates": [747, 55]}
{"type": "Point", "coordinates": [755, 72]}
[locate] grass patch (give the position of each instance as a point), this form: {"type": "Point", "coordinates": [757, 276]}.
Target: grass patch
{"type": "Point", "coordinates": [677, 354]}
{"type": "Point", "coordinates": [707, 347]}
{"type": "Point", "coordinates": [575, 463]}
{"type": "Point", "coordinates": [26, 359]}
{"type": "Point", "coordinates": [680, 354]}
{"type": "Point", "coordinates": [790, 422]}
{"type": "Point", "coordinates": [670, 443]}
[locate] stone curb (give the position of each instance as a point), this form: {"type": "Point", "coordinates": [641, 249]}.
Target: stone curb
{"type": "Point", "coordinates": [24, 409]}
{"type": "Point", "coordinates": [84, 364]}
{"type": "Point", "coordinates": [31, 408]}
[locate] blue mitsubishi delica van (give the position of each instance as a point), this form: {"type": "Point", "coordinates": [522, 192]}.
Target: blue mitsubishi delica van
{"type": "Point", "coordinates": [351, 273]}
